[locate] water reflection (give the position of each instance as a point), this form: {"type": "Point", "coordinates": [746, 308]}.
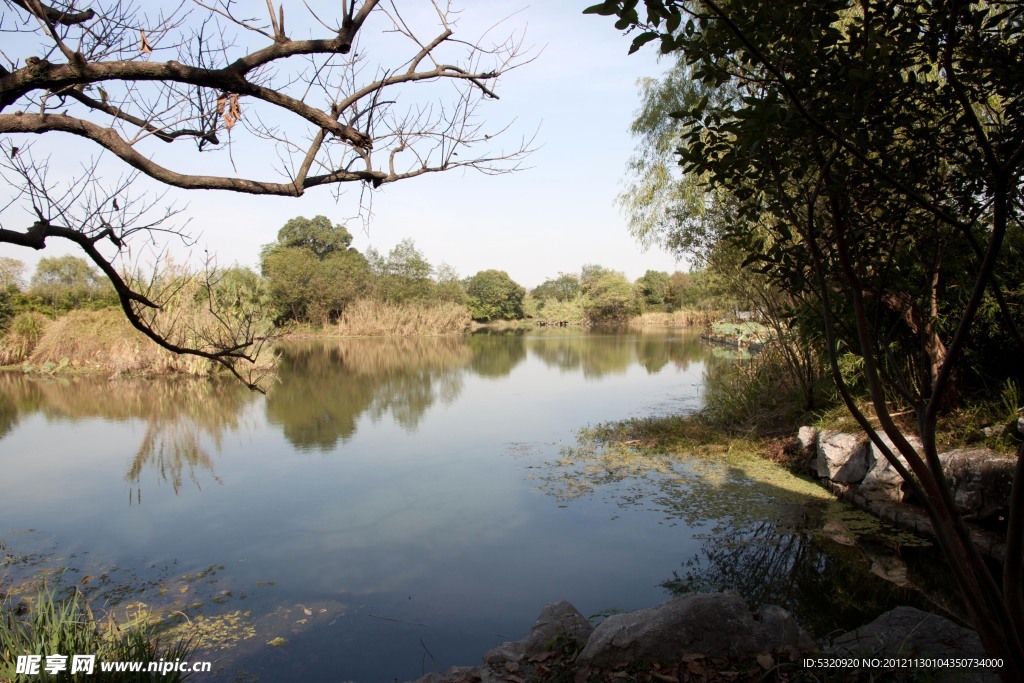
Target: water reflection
{"type": "Point", "coordinates": [325, 386]}
{"type": "Point", "coordinates": [324, 389]}
{"type": "Point", "coordinates": [598, 355]}
{"type": "Point", "coordinates": [828, 583]}
{"type": "Point", "coordinates": [179, 416]}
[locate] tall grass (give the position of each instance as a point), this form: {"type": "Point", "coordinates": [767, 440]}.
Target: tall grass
{"type": "Point", "coordinates": [757, 396]}
{"type": "Point", "coordinates": [682, 318]}
{"type": "Point", "coordinates": [371, 318]}
{"type": "Point", "coordinates": [67, 627]}
{"type": "Point", "coordinates": [21, 338]}
{"type": "Point", "coordinates": [104, 340]}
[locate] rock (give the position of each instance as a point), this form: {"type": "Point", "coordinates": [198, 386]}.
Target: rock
{"type": "Point", "coordinates": [710, 624]}
{"type": "Point", "coordinates": [908, 632]}
{"type": "Point", "coordinates": [807, 442]}
{"type": "Point", "coordinates": [980, 480]}
{"type": "Point", "coordinates": [882, 481]}
{"type": "Point", "coordinates": [458, 674]}
{"type": "Point", "coordinates": [842, 457]}
{"type": "Point", "coordinates": [558, 623]}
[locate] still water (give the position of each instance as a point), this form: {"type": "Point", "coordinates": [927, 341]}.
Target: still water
{"type": "Point", "coordinates": [394, 506]}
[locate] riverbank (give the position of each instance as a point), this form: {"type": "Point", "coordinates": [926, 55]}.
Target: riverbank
{"type": "Point", "coordinates": [104, 341]}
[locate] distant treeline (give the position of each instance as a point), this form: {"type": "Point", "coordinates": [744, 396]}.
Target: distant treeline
{"type": "Point", "coordinates": [311, 275]}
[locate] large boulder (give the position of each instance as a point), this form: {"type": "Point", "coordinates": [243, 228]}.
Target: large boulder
{"type": "Point", "coordinates": [980, 480]}
{"type": "Point", "coordinates": [842, 457]}
{"type": "Point", "coordinates": [906, 632]}
{"type": "Point", "coordinates": [714, 624]}
{"type": "Point", "coordinates": [558, 625]}
{"type": "Point", "coordinates": [806, 446]}
{"type": "Point", "coordinates": [883, 481]}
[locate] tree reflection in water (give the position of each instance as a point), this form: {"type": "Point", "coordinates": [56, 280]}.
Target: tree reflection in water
{"type": "Point", "coordinates": [829, 583]}
{"type": "Point", "coordinates": [180, 416]}
{"type": "Point", "coordinates": [327, 385]}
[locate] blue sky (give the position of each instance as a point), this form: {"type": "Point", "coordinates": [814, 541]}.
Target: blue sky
{"type": "Point", "coordinates": [558, 214]}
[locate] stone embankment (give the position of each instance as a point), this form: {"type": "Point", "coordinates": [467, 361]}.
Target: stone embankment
{"type": "Point", "coordinates": [697, 629]}
{"type": "Point", "coordinates": [853, 467]}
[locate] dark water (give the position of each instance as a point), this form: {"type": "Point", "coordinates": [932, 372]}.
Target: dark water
{"type": "Point", "coordinates": [398, 506]}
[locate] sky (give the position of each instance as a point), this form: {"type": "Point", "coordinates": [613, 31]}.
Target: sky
{"type": "Point", "coordinates": [553, 216]}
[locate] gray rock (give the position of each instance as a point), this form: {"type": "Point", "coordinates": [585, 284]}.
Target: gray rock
{"type": "Point", "coordinates": [980, 480]}
{"type": "Point", "coordinates": [558, 623]}
{"type": "Point", "coordinates": [709, 624]}
{"type": "Point", "coordinates": [883, 481]}
{"type": "Point", "coordinates": [807, 441]}
{"type": "Point", "coordinates": [909, 632]}
{"type": "Point", "coordinates": [458, 674]}
{"type": "Point", "coordinates": [842, 457]}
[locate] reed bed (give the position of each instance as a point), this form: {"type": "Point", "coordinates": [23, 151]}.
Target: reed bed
{"type": "Point", "coordinates": [21, 338]}
{"type": "Point", "coordinates": [682, 318]}
{"type": "Point", "coordinates": [369, 318]}
{"type": "Point", "coordinates": [105, 341]}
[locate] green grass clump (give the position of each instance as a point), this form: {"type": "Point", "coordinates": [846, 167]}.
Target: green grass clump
{"type": "Point", "coordinates": [68, 627]}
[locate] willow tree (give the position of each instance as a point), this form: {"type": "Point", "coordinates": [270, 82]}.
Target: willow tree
{"type": "Point", "coordinates": [867, 158]}
{"type": "Point", "coordinates": [195, 95]}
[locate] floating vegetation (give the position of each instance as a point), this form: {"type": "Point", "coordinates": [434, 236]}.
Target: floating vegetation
{"type": "Point", "coordinates": [681, 468]}
{"type": "Point", "coordinates": [218, 632]}
{"type": "Point", "coordinates": [775, 537]}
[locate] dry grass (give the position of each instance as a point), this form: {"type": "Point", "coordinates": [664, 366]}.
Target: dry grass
{"type": "Point", "coordinates": [105, 341]}
{"type": "Point", "coordinates": [368, 318]}
{"type": "Point", "coordinates": [21, 339]}
{"type": "Point", "coordinates": [683, 318]}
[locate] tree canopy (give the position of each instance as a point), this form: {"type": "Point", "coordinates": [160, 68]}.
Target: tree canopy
{"type": "Point", "coordinates": [493, 295]}
{"type": "Point", "coordinates": [312, 272]}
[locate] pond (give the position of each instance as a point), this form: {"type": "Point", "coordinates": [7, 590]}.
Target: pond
{"type": "Point", "coordinates": [395, 506]}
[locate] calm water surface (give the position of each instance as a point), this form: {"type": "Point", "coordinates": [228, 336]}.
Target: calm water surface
{"type": "Point", "coordinates": [390, 507]}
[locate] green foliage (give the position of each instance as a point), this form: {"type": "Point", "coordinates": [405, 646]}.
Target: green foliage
{"type": "Point", "coordinates": [404, 275]}
{"type": "Point", "coordinates": [565, 287]}
{"type": "Point", "coordinates": [493, 295]}
{"type": "Point", "coordinates": [653, 288]}
{"type": "Point", "coordinates": [316, 234]}
{"type": "Point", "coordinates": [608, 296]}
{"type": "Point", "coordinates": [68, 626]}
{"type": "Point", "coordinates": [68, 282]}
{"type": "Point", "coordinates": [555, 312]}
{"type": "Point", "coordinates": [450, 287]}
{"type": "Point", "coordinates": [312, 273]}
{"type": "Point", "coordinates": [6, 309]}
{"type": "Point", "coordinates": [23, 333]}
{"type": "Point", "coordinates": [865, 159]}
{"type": "Point", "coordinates": [11, 274]}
